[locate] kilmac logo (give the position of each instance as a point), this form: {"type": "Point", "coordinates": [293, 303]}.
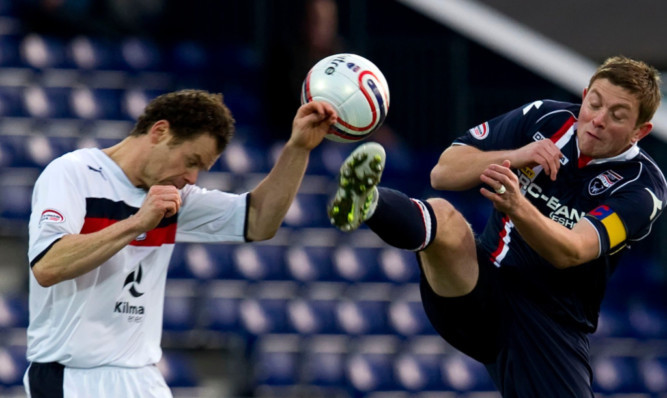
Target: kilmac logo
{"type": "Point", "coordinates": [134, 279]}
{"type": "Point", "coordinates": [135, 312]}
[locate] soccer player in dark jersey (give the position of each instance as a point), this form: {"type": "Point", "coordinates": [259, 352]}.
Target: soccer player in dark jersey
{"type": "Point", "coordinates": [571, 190]}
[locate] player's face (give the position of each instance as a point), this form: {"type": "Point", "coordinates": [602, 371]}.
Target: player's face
{"type": "Point", "coordinates": [180, 164]}
{"type": "Point", "coordinates": [607, 120]}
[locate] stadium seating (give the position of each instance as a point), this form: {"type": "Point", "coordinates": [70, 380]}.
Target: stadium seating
{"type": "Point", "coordinates": [141, 54]}
{"type": "Point", "coordinates": [13, 365]}
{"type": "Point", "coordinates": [97, 103]}
{"type": "Point", "coordinates": [310, 263]}
{"type": "Point", "coordinates": [358, 317]}
{"type": "Point", "coordinates": [16, 199]}
{"type": "Point", "coordinates": [10, 51]}
{"type": "Point", "coordinates": [48, 102]}
{"type": "Point", "coordinates": [276, 360]}
{"type": "Point", "coordinates": [399, 266]}
{"type": "Point", "coordinates": [44, 52]}
{"type": "Point", "coordinates": [464, 374]}
{"type": "Point", "coordinates": [209, 261]}
{"type": "Point", "coordinates": [177, 369]}
{"type": "Point", "coordinates": [260, 262]}
{"type": "Point", "coordinates": [220, 306]}
{"type": "Point", "coordinates": [314, 310]}
{"type": "Point", "coordinates": [13, 311]}
{"type": "Point", "coordinates": [308, 211]}
{"type": "Point", "coordinates": [406, 314]}
{"type": "Point", "coordinates": [323, 360]}
{"type": "Point", "coordinates": [11, 101]}
{"type": "Point", "coordinates": [264, 310]}
{"type": "Point", "coordinates": [357, 264]}
{"type": "Point", "coordinates": [180, 306]}
{"type": "Point", "coordinates": [370, 365]}
{"type": "Point", "coordinates": [653, 373]}
{"type": "Point", "coordinates": [92, 53]}
{"type": "Point", "coordinates": [616, 374]}
{"type": "Point", "coordinates": [418, 366]}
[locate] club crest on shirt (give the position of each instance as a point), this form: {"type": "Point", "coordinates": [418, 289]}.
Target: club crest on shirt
{"type": "Point", "coordinates": [51, 216]}
{"type": "Point", "coordinates": [603, 182]}
{"type": "Point", "coordinates": [480, 132]}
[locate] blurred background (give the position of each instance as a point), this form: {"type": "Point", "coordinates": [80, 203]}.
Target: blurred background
{"type": "Point", "coordinates": [315, 312]}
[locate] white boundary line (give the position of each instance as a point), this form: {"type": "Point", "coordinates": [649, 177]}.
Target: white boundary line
{"type": "Point", "coordinates": [520, 44]}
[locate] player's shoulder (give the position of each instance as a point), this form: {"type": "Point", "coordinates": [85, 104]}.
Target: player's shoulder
{"type": "Point", "coordinates": [651, 172]}
{"type": "Point", "coordinates": [550, 108]}
{"type": "Point", "coordinates": [70, 162]}
{"type": "Point", "coordinates": [542, 113]}
{"type": "Point", "coordinates": [633, 171]}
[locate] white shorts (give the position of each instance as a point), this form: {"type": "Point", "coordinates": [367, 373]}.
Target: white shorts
{"type": "Point", "coordinates": [55, 381]}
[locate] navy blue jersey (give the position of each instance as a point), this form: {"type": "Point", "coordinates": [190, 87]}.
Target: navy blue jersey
{"type": "Point", "coordinates": [620, 196]}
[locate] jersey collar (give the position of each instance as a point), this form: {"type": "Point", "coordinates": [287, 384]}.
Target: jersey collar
{"type": "Point", "coordinates": [630, 153]}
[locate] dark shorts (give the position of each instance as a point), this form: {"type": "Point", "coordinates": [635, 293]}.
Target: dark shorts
{"type": "Point", "coordinates": [46, 380]}
{"type": "Point", "coordinates": [527, 353]}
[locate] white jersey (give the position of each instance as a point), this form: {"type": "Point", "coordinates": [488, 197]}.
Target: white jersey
{"type": "Point", "coordinates": [112, 315]}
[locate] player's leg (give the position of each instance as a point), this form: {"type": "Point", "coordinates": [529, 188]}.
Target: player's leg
{"type": "Point", "coordinates": [434, 227]}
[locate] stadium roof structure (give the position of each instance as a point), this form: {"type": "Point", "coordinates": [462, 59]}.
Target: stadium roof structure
{"type": "Point", "coordinates": [562, 41]}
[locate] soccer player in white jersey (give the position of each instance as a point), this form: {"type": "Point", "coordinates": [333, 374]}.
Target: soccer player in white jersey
{"type": "Point", "coordinates": [103, 227]}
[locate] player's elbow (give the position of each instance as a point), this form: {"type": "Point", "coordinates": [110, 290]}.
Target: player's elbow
{"type": "Point", "coordinates": [446, 178]}
{"type": "Point", "coordinates": [260, 234]}
{"type": "Point", "coordinates": [438, 178]}
{"type": "Point", "coordinates": [568, 259]}
{"type": "Point", "coordinates": [44, 276]}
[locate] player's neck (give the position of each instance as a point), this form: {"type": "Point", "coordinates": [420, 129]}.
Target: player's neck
{"type": "Point", "coordinates": [130, 155]}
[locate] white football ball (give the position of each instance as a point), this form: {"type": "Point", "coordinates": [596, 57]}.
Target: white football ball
{"type": "Point", "coordinates": [357, 90]}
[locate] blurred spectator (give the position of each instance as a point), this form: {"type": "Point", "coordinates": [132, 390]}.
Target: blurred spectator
{"type": "Point", "coordinates": [291, 57]}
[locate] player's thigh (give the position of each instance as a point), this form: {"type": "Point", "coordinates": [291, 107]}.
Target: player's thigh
{"type": "Point", "coordinates": [449, 263]}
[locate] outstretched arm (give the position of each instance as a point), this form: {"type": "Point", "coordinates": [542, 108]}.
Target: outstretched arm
{"type": "Point", "coordinates": [271, 199]}
{"type": "Point", "coordinates": [563, 247]}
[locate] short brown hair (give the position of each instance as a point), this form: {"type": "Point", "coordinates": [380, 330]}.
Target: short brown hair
{"type": "Point", "coordinates": [639, 78]}
{"type": "Point", "coordinates": [190, 113]}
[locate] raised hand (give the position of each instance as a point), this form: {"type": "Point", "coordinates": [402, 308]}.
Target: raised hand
{"type": "Point", "coordinates": [311, 124]}
{"type": "Point", "coordinates": [543, 153]}
{"type": "Point", "coordinates": [161, 201]}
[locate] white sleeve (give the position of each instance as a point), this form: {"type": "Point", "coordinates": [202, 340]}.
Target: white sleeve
{"type": "Point", "coordinates": [211, 216]}
{"type": "Point", "coordinates": [58, 207]}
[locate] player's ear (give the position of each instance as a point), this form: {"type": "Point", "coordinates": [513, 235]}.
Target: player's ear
{"type": "Point", "coordinates": [642, 131]}
{"type": "Point", "coordinates": [583, 95]}
{"type": "Point", "coordinates": [159, 131]}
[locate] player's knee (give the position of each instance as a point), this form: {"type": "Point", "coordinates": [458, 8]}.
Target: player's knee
{"type": "Point", "coordinates": [449, 220]}
{"type": "Point", "coordinates": [444, 211]}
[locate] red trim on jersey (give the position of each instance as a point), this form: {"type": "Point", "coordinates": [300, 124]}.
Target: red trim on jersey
{"type": "Point", "coordinates": [583, 160]}
{"type": "Point", "coordinates": [154, 237]}
{"type": "Point", "coordinates": [501, 241]}
{"type": "Point", "coordinates": [94, 224]}
{"type": "Point", "coordinates": [564, 128]}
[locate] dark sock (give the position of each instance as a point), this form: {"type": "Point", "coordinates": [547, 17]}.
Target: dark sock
{"type": "Point", "coordinates": [403, 222]}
